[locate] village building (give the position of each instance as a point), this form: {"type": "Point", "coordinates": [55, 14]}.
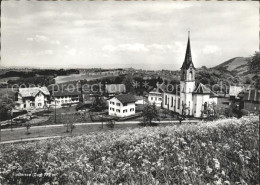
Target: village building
{"type": "Point", "coordinates": [32, 98]}
{"type": "Point", "coordinates": [155, 97]}
{"type": "Point", "coordinates": [114, 89]}
{"type": "Point", "coordinates": [188, 98]}
{"type": "Point", "coordinates": [122, 105]}
{"type": "Point", "coordinates": [251, 99]}
{"type": "Point", "coordinates": [65, 97]}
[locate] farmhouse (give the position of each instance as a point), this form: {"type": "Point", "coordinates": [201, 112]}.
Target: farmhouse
{"type": "Point", "coordinates": [155, 97]}
{"type": "Point", "coordinates": [32, 97]}
{"type": "Point", "coordinates": [188, 98]}
{"type": "Point", "coordinates": [66, 97]}
{"type": "Point", "coordinates": [252, 100]}
{"type": "Point", "coordinates": [122, 105]}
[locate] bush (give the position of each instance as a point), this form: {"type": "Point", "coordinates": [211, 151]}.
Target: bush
{"type": "Point", "coordinates": [245, 112]}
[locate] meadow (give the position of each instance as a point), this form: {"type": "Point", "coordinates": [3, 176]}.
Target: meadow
{"type": "Point", "coordinates": [225, 151]}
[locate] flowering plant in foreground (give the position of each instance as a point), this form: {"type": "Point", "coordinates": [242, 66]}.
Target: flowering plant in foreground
{"type": "Point", "coordinates": [220, 152]}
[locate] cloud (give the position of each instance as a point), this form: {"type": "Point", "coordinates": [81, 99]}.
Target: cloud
{"type": "Point", "coordinates": [138, 47]}
{"type": "Point", "coordinates": [56, 42]}
{"type": "Point", "coordinates": [72, 51]}
{"type": "Point", "coordinates": [211, 49]}
{"type": "Point", "coordinates": [45, 52]}
{"type": "Point", "coordinates": [43, 38]}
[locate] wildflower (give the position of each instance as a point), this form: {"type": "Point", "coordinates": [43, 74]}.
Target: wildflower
{"type": "Point", "coordinates": [217, 164]}
{"type": "Point", "coordinates": [208, 169]}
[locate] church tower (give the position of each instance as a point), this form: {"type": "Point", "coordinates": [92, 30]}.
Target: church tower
{"type": "Point", "coordinates": [187, 83]}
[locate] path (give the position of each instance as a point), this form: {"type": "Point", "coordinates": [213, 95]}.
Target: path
{"type": "Point", "coordinates": [99, 123]}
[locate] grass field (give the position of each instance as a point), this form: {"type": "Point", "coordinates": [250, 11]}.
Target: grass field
{"type": "Point", "coordinates": [220, 152]}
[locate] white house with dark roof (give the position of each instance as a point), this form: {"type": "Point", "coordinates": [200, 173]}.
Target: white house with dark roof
{"type": "Point", "coordinates": [122, 105]}
{"type": "Point", "coordinates": [32, 98]}
{"type": "Point", "coordinates": [187, 97]}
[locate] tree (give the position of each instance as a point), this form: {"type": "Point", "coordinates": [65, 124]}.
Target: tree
{"type": "Point", "coordinates": [254, 63]}
{"type": "Point", "coordinates": [98, 104]}
{"type": "Point", "coordinates": [111, 123]}
{"type": "Point", "coordinates": [128, 81]}
{"type": "Point", "coordinates": [212, 111]}
{"type": "Point", "coordinates": [27, 125]}
{"type": "Point", "coordinates": [182, 116]}
{"type": "Point", "coordinates": [150, 112]}
{"type": "Point", "coordinates": [69, 122]}
{"type": "Point", "coordinates": [166, 112]}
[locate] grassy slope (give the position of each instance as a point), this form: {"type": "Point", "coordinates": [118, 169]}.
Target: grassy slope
{"type": "Point", "coordinates": [220, 152]}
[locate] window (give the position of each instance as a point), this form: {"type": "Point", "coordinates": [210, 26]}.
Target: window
{"type": "Point", "coordinates": [118, 104]}
{"type": "Point", "coordinates": [113, 103]}
{"type": "Point", "coordinates": [155, 99]}
{"type": "Point", "coordinates": [160, 99]}
{"type": "Point", "coordinates": [179, 101]}
{"type": "Point", "coordinates": [165, 99]}
{"type": "Point", "coordinates": [117, 110]}
{"type": "Point", "coordinates": [124, 104]}
{"type": "Point", "coordinates": [31, 104]}
{"type": "Point", "coordinates": [172, 101]}
{"type": "Point", "coordinates": [39, 104]}
{"type": "Point", "coordinates": [132, 109]}
{"type": "Point", "coordinates": [151, 98]}
{"type": "Point", "coordinates": [124, 110]}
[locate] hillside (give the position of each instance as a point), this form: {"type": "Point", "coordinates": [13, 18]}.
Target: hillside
{"type": "Point", "coordinates": [219, 152]}
{"type": "Point", "coordinates": [237, 65]}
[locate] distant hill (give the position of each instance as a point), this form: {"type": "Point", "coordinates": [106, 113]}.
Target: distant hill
{"type": "Point", "coordinates": [237, 65]}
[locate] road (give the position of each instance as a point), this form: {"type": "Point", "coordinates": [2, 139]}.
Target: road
{"type": "Point", "coordinates": [58, 131]}
{"type": "Point", "coordinates": [99, 123]}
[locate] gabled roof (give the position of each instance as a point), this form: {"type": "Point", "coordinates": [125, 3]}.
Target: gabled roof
{"type": "Point", "coordinates": [155, 90]}
{"type": "Point", "coordinates": [66, 92]}
{"type": "Point", "coordinates": [126, 98]}
{"type": "Point", "coordinates": [33, 91]}
{"type": "Point", "coordinates": [188, 59]}
{"type": "Point", "coordinates": [252, 95]}
{"type": "Point", "coordinates": [202, 89]}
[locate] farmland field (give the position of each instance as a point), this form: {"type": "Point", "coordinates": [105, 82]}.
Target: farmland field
{"type": "Point", "coordinates": [76, 77]}
{"type": "Point", "coordinates": [219, 152]}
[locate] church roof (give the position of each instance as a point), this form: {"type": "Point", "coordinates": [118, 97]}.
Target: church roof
{"type": "Point", "coordinates": [202, 89]}
{"type": "Point", "coordinates": [188, 59]}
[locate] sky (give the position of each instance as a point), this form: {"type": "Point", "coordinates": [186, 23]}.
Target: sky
{"type": "Point", "coordinates": [149, 35]}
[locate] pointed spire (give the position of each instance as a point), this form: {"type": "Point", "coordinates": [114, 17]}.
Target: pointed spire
{"type": "Point", "coordinates": [188, 58]}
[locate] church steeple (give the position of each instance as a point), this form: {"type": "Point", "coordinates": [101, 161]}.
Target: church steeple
{"type": "Point", "coordinates": [188, 59]}
{"type": "Point", "coordinates": [188, 69]}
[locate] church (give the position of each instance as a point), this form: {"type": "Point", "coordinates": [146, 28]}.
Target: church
{"type": "Point", "coordinates": [188, 98]}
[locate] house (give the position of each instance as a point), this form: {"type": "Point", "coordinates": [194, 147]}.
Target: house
{"type": "Point", "coordinates": [113, 89]}
{"type": "Point", "coordinates": [188, 98]}
{"type": "Point", "coordinates": [32, 98]}
{"type": "Point", "coordinates": [64, 97]}
{"type": "Point", "coordinates": [234, 91]}
{"type": "Point", "coordinates": [155, 97]}
{"type": "Point", "coordinates": [251, 100]}
{"type": "Point", "coordinates": [140, 100]}
{"type": "Point", "coordinates": [122, 105]}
